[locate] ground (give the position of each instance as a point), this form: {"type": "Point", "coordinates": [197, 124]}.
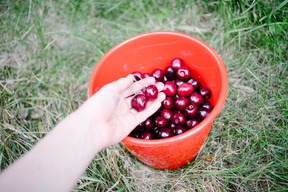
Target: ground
{"type": "Point", "coordinates": [49, 48]}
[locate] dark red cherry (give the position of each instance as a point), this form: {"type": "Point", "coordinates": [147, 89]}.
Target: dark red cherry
{"type": "Point", "coordinates": [145, 75]}
{"type": "Point", "coordinates": [191, 110]}
{"type": "Point", "coordinates": [151, 92]}
{"type": "Point", "coordinates": [195, 83]}
{"type": "Point", "coordinates": [146, 135]}
{"type": "Point", "coordinates": [178, 82]}
{"type": "Point", "coordinates": [139, 102]}
{"type": "Point", "coordinates": [171, 125]}
{"type": "Point", "coordinates": [202, 113]}
{"type": "Point", "coordinates": [179, 119]}
{"type": "Point", "coordinates": [207, 105]}
{"type": "Point", "coordinates": [179, 129]}
{"type": "Point", "coordinates": [141, 127]}
{"type": "Point", "coordinates": [149, 124]}
{"type": "Point", "coordinates": [167, 103]}
{"type": "Point", "coordinates": [185, 89]}
{"type": "Point", "coordinates": [181, 103]}
{"type": "Point", "coordinates": [176, 63]}
{"type": "Point", "coordinates": [165, 133]}
{"type": "Point", "coordinates": [170, 73]}
{"type": "Point", "coordinates": [169, 88]}
{"type": "Point", "coordinates": [160, 121]}
{"type": "Point", "coordinates": [138, 76]}
{"type": "Point", "coordinates": [135, 134]}
{"type": "Point", "coordinates": [167, 114]}
{"type": "Point", "coordinates": [158, 74]}
{"type": "Point", "coordinates": [191, 123]}
{"type": "Point", "coordinates": [183, 73]}
{"type": "Point", "coordinates": [205, 92]}
{"type": "Point", "coordinates": [196, 98]}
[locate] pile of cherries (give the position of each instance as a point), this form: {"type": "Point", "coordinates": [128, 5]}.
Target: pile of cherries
{"type": "Point", "coordinates": [185, 106]}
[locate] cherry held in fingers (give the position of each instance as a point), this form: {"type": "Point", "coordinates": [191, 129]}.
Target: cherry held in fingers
{"type": "Point", "coordinates": [139, 102]}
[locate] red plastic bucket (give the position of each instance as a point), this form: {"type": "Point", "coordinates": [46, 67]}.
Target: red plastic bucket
{"type": "Point", "coordinates": [151, 50]}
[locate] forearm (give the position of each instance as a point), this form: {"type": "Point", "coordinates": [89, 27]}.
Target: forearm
{"type": "Point", "coordinates": [57, 161]}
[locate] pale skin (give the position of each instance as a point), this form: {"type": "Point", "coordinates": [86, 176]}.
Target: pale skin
{"type": "Point", "coordinates": [57, 161]}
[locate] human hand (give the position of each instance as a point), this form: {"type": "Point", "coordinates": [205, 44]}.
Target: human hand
{"type": "Point", "coordinates": [109, 112]}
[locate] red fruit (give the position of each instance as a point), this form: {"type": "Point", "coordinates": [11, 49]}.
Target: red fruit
{"type": "Point", "coordinates": [185, 89]}
{"type": "Point", "coordinates": [167, 114]}
{"type": "Point", "coordinates": [176, 63]}
{"type": "Point", "coordinates": [160, 121]}
{"type": "Point", "coordinates": [191, 110]}
{"type": "Point", "coordinates": [191, 123]}
{"type": "Point", "coordinates": [178, 119]}
{"type": "Point", "coordinates": [147, 135]}
{"type": "Point", "coordinates": [158, 74]}
{"type": "Point", "coordinates": [179, 129]}
{"type": "Point", "coordinates": [205, 92]}
{"type": "Point", "coordinates": [149, 124]}
{"type": "Point", "coordinates": [181, 103]}
{"type": "Point", "coordinates": [169, 88]}
{"type": "Point", "coordinates": [195, 83]}
{"type": "Point", "coordinates": [139, 102]}
{"type": "Point", "coordinates": [170, 73]}
{"type": "Point", "coordinates": [171, 125]}
{"type": "Point", "coordinates": [167, 103]}
{"type": "Point", "coordinates": [178, 82]}
{"type": "Point", "coordinates": [183, 73]}
{"type": "Point", "coordinates": [138, 76]}
{"type": "Point", "coordinates": [196, 98]}
{"type": "Point", "coordinates": [165, 133]}
{"type": "Point", "coordinates": [207, 105]}
{"type": "Point", "coordinates": [140, 127]}
{"type": "Point", "coordinates": [151, 92]}
{"type": "Point", "coordinates": [145, 75]}
{"type": "Point", "coordinates": [202, 114]}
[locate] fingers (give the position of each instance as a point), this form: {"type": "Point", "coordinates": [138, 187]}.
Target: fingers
{"type": "Point", "coordinates": [124, 83]}
{"type": "Point", "coordinates": [137, 86]}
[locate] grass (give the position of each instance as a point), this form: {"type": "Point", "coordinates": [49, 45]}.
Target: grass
{"type": "Point", "coordinates": [48, 50]}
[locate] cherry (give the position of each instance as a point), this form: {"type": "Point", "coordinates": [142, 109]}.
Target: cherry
{"type": "Point", "coordinates": [137, 76]}
{"type": "Point", "coordinates": [179, 119]}
{"type": "Point", "coordinates": [149, 124]}
{"type": "Point", "coordinates": [205, 92]}
{"type": "Point", "coordinates": [196, 98]}
{"type": "Point", "coordinates": [147, 135]}
{"type": "Point", "coordinates": [165, 133]}
{"type": "Point", "coordinates": [195, 83]}
{"type": "Point", "coordinates": [178, 82]}
{"type": "Point", "coordinates": [167, 103]}
{"type": "Point", "coordinates": [151, 92]}
{"type": "Point", "coordinates": [176, 63]}
{"type": "Point", "coordinates": [158, 74]}
{"type": "Point", "coordinates": [135, 134]}
{"type": "Point", "coordinates": [160, 121]}
{"type": "Point", "coordinates": [202, 113]}
{"type": "Point", "coordinates": [169, 88]}
{"type": "Point", "coordinates": [183, 73]}
{"type": "Point", "coordinates": [145, 75]}
{"type": "Point", "coordinates": [170, 73]}
{"type": "Point", "coordinates": [181, 103]}
{"type": "Point", "coordinates": [191, 123]}
{"type": "Point", "coordinates": [141, 127]}
{"type": "Point", "coordinates": [207, 105]}
{"type": "Point", "coordinates": [185, 89]}
{"type": "Point", "coordinates": [139, 102]}
{"type": "Point", "coordinates": [171, 125]}
{"type": "Point", "coordinates": [179, 129]}
{"type": "Point", "coordinates": [191, 110]}
{"type": "Point", "coordinates": [167, 114]}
